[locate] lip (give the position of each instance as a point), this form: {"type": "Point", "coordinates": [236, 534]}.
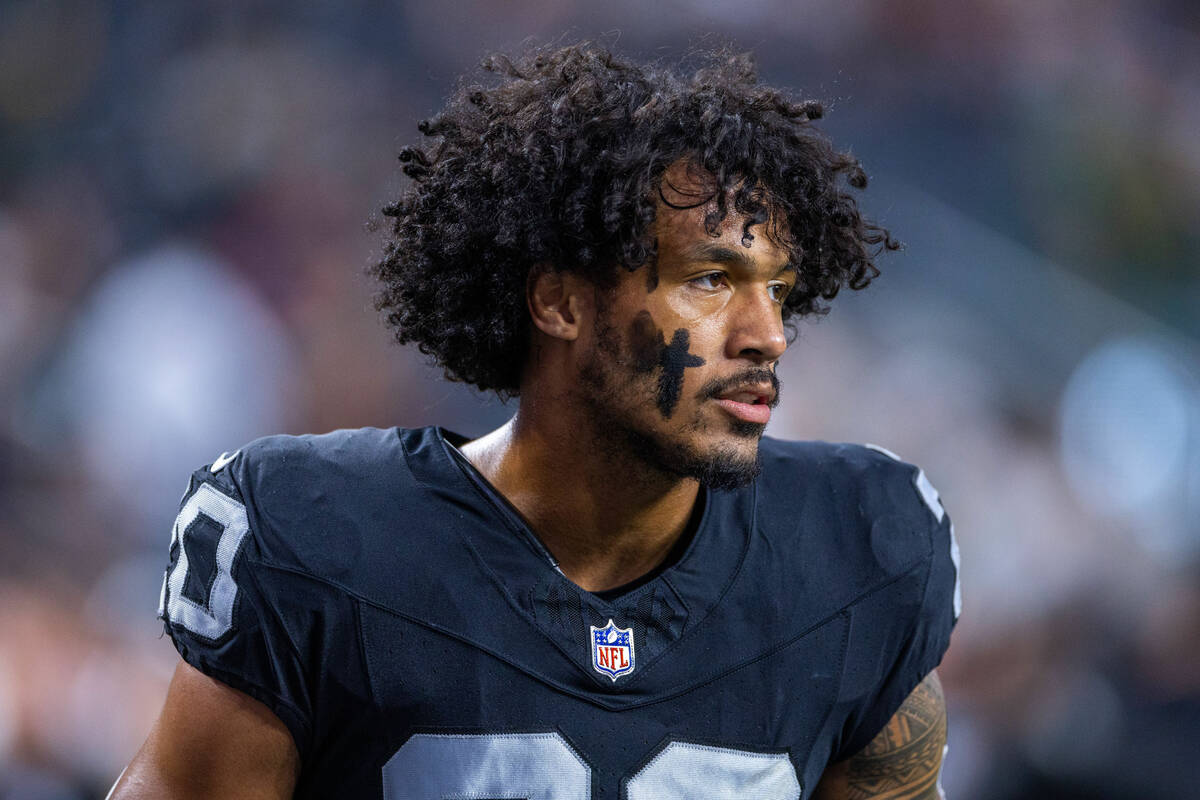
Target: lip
{"type": "Point", "coordinates": [759, 413]}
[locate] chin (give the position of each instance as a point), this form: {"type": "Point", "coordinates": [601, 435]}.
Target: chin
{"type": "Point", "coordinates": [727, 461]}
{"type": "Point", "coordinates": [730, 464]}
{"type": "Point", "coordinates": [717, 451]}
{"type": "Point", "coordinates": [727, 474]}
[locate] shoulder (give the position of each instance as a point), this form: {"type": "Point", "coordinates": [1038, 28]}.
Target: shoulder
{"type": "Point", "coordinates": [859, 507]}
{"type": "Point", "coordinates": [268, 539]}
{"type": "Point", "coordinates": [290, 464]}
{"type": "Point", "coordinates": [864, 481]}
{"type": "Point", "coordinates": [841, 462]}
{"type": "Point", "coordinates": [311, 500]}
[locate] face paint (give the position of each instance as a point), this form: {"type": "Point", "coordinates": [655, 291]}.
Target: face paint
{"type": "Point", "coordinates": [650, 351]}
{"type": "Point", "coordinates": [614, 388]}
{"type": "Point", "coordinates": [645, 342]}
{"type": "Point", "coordinates": [651, 277]}
{"type": "Point", "coordinates": [675, 359]}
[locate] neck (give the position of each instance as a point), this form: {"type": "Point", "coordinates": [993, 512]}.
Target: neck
{"type": "Point", "coordinates": [606, 519]}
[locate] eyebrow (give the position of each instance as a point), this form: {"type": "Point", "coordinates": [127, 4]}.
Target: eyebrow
{"type": "Point", "coordinates": [719, 254]}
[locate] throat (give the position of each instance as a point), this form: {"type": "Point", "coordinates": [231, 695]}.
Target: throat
{"type": "Point", "coordinates": [603, 527]}
{"type": "Point", "coordinates": [602, 545]}
{"type": "Point", "coordinates": [672, 558]}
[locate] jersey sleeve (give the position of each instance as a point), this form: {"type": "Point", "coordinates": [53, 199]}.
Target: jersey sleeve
{"type": "Point", "coordinates": [221, 605]}
{"type": "Point", "coordinates": [901, 632]}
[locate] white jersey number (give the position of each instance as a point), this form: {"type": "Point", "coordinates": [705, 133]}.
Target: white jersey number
{"type": "Point", "coordinates": [214, 618]}
{"type": "Point", "coordinates": [684, 771]}
{"type": "Point", "coordinates": [542, 766]}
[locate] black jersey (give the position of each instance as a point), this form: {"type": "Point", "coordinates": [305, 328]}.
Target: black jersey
{"type": "Point", "coordinates": [418, 641]}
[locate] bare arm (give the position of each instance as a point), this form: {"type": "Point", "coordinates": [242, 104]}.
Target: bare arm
{"type": "Point", "coordinates": [901, 763]}
{"type": "Point", "coordinates": [211, 741]}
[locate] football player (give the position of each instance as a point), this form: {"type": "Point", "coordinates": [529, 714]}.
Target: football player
{"type": "Point", "coordinates": [625, 591]}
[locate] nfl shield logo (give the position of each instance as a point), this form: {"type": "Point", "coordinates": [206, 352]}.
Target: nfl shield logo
{"type": "Point", "coordinates": [612, 650]}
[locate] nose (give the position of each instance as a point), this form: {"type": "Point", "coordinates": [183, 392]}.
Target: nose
{"type": "Point", "coordinates": [756, 328]}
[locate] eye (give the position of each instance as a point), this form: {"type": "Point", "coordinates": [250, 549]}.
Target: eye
{"type": "Point", "coordinates": [779, 291]}
{"type": "Point", "coordinates": [709, 280]}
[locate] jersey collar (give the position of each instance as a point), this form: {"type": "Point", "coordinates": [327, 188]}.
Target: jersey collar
{"type": "Point", "coordinates": [663, 612]}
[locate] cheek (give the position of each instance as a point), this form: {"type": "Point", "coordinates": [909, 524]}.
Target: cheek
{"type": "Point", "coordinates": [674, 361]}
{"type": "Point", "coordinates": [645, 342]}
{"type": "Point", "coordinates": [692, 309]}
{"type": "Point", "coordinates": [705, 340]}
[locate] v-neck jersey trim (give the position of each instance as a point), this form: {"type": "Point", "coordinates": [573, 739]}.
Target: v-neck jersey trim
{"type": "Point", "coordinates": [482, 486]}
{"type": "Point", "coordinates": [699, 581]}
{"type": "Point", "coordinates": [515, 521]}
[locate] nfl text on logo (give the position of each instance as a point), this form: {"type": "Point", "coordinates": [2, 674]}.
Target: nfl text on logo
{"type": "Point", "coordinates": [612, 650]}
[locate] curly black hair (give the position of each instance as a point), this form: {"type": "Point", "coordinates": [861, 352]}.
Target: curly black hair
{"type": "Point", "coordinates": [556, 163]}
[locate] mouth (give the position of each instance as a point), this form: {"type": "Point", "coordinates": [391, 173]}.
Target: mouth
{"type": "Point", "coordinates": [749, 403]}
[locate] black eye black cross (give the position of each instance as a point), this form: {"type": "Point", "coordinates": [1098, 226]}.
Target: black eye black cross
{"type": "Point", "coordinates": [650, 351]}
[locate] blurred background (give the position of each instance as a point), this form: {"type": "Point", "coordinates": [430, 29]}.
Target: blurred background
{"type": "Point", "coordinates": [184, 197]}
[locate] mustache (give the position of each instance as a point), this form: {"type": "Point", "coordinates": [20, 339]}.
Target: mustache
{"type": "Point", "coordinates": [719, 386]}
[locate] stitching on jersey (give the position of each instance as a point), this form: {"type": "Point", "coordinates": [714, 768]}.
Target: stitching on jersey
{"type": "Point", "coordinates": [909, 636]}
{"type": "Point", "coordinates": [752, 531]}
{"type": "Point", "coordinates": [841, 679]}
{"type": "Point", "coordinates": [525, 533]}
{"type": "Point", "coordinates": [607, 701]}
{"type": "Point", "coordinates": [360, 638]}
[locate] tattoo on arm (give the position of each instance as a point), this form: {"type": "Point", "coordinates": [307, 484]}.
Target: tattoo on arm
{"type": "Point", "coordinates": [903, 762]}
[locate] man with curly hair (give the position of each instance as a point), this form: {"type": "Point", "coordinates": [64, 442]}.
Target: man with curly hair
{"type": "Point", "coordinates": [625, 591]}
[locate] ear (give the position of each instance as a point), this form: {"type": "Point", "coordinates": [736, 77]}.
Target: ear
{"type": "Point", "coordinates": [555, 302]}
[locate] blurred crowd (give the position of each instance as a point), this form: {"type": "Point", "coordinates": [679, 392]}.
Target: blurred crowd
{"type": "Point", "coordinates": [187, 198]}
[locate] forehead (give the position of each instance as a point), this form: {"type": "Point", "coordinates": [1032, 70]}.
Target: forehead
{"type": "Point", "coordinates": [687, 196]}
